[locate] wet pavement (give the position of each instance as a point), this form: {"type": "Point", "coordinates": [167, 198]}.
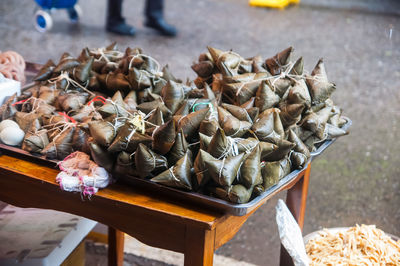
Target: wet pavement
{"type": "Point", "coordinates": [357, 179]}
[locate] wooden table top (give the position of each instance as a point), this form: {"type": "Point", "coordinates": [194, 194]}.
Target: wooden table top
{"type": "Point", "coordinates": [14, 169]}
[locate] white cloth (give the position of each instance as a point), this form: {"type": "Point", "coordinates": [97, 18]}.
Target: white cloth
{"type": "Point", "coordinates": [80, 174]}
{"type": "Point", "coordinates": [290, 235]}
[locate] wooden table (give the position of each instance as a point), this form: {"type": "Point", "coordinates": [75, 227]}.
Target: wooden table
{"type": "Point", "coordinates": [154, 220]}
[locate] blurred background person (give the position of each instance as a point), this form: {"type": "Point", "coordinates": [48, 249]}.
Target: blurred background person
{"type": "Point", "coordinates": [154, 19]}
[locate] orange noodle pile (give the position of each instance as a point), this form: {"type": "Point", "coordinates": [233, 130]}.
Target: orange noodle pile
{"type": "Point", "coordinates": [12, 66]}
{"type": "Point", "coordinates": [359, 245]}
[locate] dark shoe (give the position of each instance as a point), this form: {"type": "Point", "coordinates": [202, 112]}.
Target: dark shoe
{"type": "Point", "coordinates": [122, 29]}
{"type": "Point", "coordinates": [162, 27]}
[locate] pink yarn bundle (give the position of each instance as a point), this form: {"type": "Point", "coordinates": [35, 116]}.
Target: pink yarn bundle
{"type": "Point", "coordinates": [12, 66]}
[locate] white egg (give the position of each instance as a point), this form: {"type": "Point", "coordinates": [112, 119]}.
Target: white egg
{"type": "Point", "coordinates": [7, 123]}
{"type": "Point", "coordinates": [12, 136]}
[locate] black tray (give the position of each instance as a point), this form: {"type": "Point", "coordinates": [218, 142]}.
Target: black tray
{"type": "Point", "coordinates": [194, 197]}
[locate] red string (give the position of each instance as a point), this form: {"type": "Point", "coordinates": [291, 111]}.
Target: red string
{"type": "Point", "coordinates": [22, 101]}
{"type": "Point", "coordinates": [98, 98]}
{"type": "Point", "coordinates": [67, 117]}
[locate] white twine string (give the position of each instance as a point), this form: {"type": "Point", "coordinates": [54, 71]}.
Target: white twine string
{"type": "Point", "coordinates": [158, 72]}
{"type": "Point", "coordinates": [284, 74]}
{"type": "Point", "coordinates": [220, 170]}
{"type": "Point", "coordinates": [231, 148]}
{"type": "Point", "coordinates": [65, 75]}
{"type": "Point", "coordinates": [103, 54]}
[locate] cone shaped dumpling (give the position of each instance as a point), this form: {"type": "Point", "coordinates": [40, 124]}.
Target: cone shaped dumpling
{"type": "Point", "coordinates": [179, 149]}
{"type": "Point", "coordinates": [116, 106]}
{"type": "Point", "coordinates": [219, 144]}
{"type": "Point", "coordinates": [156, 118]}
{"type": "Point", "coordinates": [299, 93]}
{"type": "Point", "coordinates": [298, 159]}
{"type": "Point", "coordinates": [253, 113]}
{"type": "Point", "coordinates": [203, 69]}
{"type": "Point", "coordinates": [200, 169]}
{"type": "Point", "coordinates": [300, 154]}
{"type": "Point", "coordinates": [173, 94]}
{"type": "Point", "coordinates": [249, 104]}
{"type": "Point", "coordinates": [147, 107]}
{"type": "Point", "coordinates": [167, 75]}
{"type": "Point", "coordinates": [334, 131]}
{"type": "Point", "coordinates": [250, 171]}
{"type": "Point", "coordinates": [277, 63]}
{"type": "Point", "coordinates": [266, 97]}
{"type": "Point", "coordinates": [82, 72]}
{"type": "Point", "coordinates": [267, 148]}
{"type": "Point", "coordinates": [239, 194]}
{"type": "Point", "coordinates": [281, 85]}
{"type": "Point", "coordinates": [177, 176]}
{"type": "Point", "coordinates": [268, 127]}
{"type": "Point", "coordinates": [45, 72]}
{"type": "Point", "coordinates": [184, 108]}
{"type": "Point", "coordinates": [320, 88]}
{"type": "Point", "coordinates": [246, 145]}
{"type": "Point", "coordinates": [232, 126]}
{"type": "Point", "coordinates": [272, 172]}
{"type": "Point", "coordinates": [209, 94]}
{"type": "Point", "coordinates": [125, 165]}
{"type": "Point", "coordinates": [121, 141]}
{"type": "Point", "coordinates": [282, 151]}
{"type": "Point", "coordinates": [223, 59]}
{"type": "Point", "coordinates": [238, 112]}
{"type": "Point", "coordinates": [204, 141]}
{"type": "Point", "coordinates": [164, 137]}
{"type": "Point", "coordinates": [300, 146]}
{"type": "Point", "coordinates": [190, 123]}
{"type": "Point", "coordinates": [139, 79]}
{"type": "Point", "coordinates": [148, 161]}
{"type": "Point", "coordinates": [290, 113]}
{"type": "Point", "coordinates": [316, 122]}
{"type": "Point", "coordinates": [101, 156]}
{"type": "Point", "coordinates": [224, 171]}
{"type": "Point", "coordinates": [130, 101]}
{"type": "Point", "coordinates": [35, 140]}
{"type": "Point", "coordinates": [298, 67]}
{"type": "Point", "coordinates": [61, 146]}
{"type": "Point", "coordinates": [209, 127]}
{"type": "Point", "coordinates": [103, 132]}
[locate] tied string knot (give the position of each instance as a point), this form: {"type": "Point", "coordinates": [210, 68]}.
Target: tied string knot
{"type": "Point", "coordinates": [275, 78]}
{"type": "Point", "coordinates": [103, 53]}
{"type": "Point", "coordinates": [221, 170]}
{"type": "Point", "coordinates": [222, 55]}
{"type": "Point", "coordinates": [65, 76]}
{"type": "Point", "coordinates": [248, 150]}
{"type": "Point", "coordinates": [230, 149]}
{"type": "Point", "coordinates": [153, 74]}
{"type": "Point", "coordinates": [66, 127]}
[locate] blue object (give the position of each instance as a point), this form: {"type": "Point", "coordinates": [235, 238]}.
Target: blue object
{"type": "Point", "coordinates": [49, 4]}
{"type": "Point", "coordinates": [43, 21]}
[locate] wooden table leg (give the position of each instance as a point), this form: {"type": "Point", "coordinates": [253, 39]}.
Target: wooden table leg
{"type": "Point", "coordinates": [199, 247]}
{"type": "Point", "coordinates": [115, 247]}
{"type": "Point", "coordinates": [296, 200]}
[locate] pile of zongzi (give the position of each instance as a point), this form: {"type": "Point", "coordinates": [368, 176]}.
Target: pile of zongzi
{"type": "Point", "coordinates": [237, 129]}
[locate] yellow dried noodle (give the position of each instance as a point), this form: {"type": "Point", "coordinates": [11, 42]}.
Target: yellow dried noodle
{"type": "Point", "coordinates": [359, 245]}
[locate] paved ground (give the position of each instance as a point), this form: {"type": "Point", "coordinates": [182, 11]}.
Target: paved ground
{"type": "Point", "coordinates": [354, 181]}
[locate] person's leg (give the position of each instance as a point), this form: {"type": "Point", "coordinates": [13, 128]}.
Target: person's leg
{"type": "Point", "coordinates": [115, 21]}
{"type": "Point", "coordinates": [155, 19]}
